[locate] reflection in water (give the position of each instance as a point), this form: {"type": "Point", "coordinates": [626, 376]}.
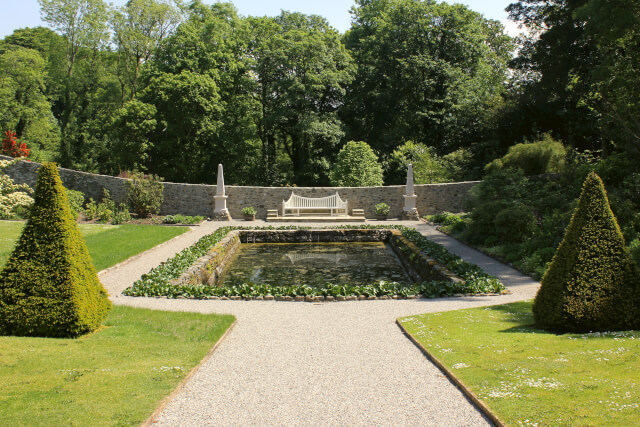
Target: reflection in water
{"type": "Point", "coordinates": [314, 264]}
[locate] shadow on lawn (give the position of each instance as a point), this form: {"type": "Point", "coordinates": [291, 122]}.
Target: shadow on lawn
{"type": "Point", "coordinates": [520, 313]}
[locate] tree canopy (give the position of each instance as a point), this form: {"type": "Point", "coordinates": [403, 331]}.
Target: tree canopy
{"type": "Point", "coordinates": [173, 88]}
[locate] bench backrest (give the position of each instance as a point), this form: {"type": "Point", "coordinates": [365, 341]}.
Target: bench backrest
{"type": "Point", "coordinates": [332, 201]}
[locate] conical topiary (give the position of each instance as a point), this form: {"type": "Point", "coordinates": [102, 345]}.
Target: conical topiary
{"type": "Point", "coordinates": [592, 283]}
{"type": "Point", "coordinates": [49, 286]}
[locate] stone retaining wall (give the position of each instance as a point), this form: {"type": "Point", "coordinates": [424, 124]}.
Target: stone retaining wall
{"type": "Point", "coordinates": [197, 199]}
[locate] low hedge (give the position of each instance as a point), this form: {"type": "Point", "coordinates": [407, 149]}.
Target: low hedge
{"type": "Point", "coordinates": [157, 282]}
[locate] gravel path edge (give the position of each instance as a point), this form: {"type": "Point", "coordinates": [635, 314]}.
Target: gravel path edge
{"type": "Point", "coordinates": [153, 418]}
{"type": "Point", "coordinates": [455, 380]}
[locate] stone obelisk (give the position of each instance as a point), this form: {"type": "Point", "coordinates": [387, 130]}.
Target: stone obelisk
{"type": "Point", "coordinates": [409, 211]}
{"type": "Point", "coordinates": [220, 213]}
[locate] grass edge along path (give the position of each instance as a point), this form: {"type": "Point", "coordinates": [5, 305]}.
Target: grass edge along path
{"type": "Point", "coordinates": [157, 282]}
{"type": "Point", "coordinates": [529, 377]}
{"type": "Point", "coordinates": [461, 386]}
{"type": "Point", "coordinates": [116, 376]}
{"type": "Point", "coordinates": [108, 244]}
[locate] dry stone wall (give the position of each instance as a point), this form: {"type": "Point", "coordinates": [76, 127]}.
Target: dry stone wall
{"type": "Point", "coordinates": [197, 199]}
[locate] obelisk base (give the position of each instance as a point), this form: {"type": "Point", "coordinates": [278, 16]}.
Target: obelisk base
{"type": "Point", "coordinates": [410, 212]}
{"type": "Point", "coordinates": [221, 213]}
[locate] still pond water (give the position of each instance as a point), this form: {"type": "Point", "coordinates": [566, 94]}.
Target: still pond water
{"type": "Point", "coordinates": [314, 264]}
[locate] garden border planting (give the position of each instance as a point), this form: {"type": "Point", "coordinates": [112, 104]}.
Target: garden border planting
{"type": "Point", "coordinates": [191, 273]}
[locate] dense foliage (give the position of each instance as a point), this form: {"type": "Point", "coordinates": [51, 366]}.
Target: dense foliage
{"type": "Point", "coordinates": [535, 158]}
{"type": "Point", "coordinates": [174, 88]}
{"type": "Point", "coordinates": [49, 286]}
{"type": "Point", "coordinates": [145, 194]}
{"type": "Point", "coordinates": [158, 281]}
{"type": "Point", "coordinates": [356, 166]}
{"type": "Point", "coordinates": [592, 284]}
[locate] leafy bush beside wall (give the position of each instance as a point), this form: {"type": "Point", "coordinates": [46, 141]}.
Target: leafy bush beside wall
{"type": "Point", "coordinates": [544, 156]}
{"type": "Point", "coordinates": [145, 194]}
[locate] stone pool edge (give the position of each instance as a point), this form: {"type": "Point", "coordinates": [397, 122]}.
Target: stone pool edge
{"type": "Point", "coordinates": [210, 268]}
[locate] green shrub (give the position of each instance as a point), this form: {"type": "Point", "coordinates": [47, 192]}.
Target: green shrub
{"type": "Point", "coordinates": [482, 225]}
{"type": "Point", "coordinates": [438, 218]}
{"type": "Point", "coordinates": [357, 166]}
{"type": "Point", "coordinates": [248, 211]}
{"type": "Point", "coordinates": [449, 222]}
{"type": "Point", "coordinates": [76, 200]}
{"type": "Point", "coordinates": [455, 223]}
{"type": "Point", "coordinates": [121, 215]}
{"type": "Point", "coordinates": [382, 209]}
{"type": "Point", "coordinates": [536, 263]}
{"type": "Point", "coordinates": [505, 184]}
{"type": "Point", "coordinates": [592, 284]}
{"type": "Point", "coordinates": [91, 210]}
{"type": "Point", "coordinates": [182, 219]}
{"type": "Point", "coordinates": [106, 207]}
{"type": "Point", "coordinates": [543, 156]}
{"type": "Point", "coordinates": [171, 219]}
{"type": "Point", "coordinates": [49, 287]}
{"type": "Point", "coordinates": [515, 223]}
{"type": "Point", "coordinates": [145, 194]}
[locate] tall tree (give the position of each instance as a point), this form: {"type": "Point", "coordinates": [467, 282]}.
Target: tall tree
{"type": "Point", "coordinates": [301, 71]}
{"type": "Point", "coordinates": [554, 60]}
{"type": "Point", "coordinates": [24, 106]}
{"type": "Point", "coordinates": [84, 25]}
{"type": "Point", "coordinates": [614, 82]}
{"type": "Point", "coordinates": [427, 72]}
{"type": "Point", "coordinates": [139, 28]}
{"type": "Point", "coordinates": [200, 68]}
{"type": "Point", "coordinates": [82, 22]}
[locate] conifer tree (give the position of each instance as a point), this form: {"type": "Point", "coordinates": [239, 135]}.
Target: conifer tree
{"type": "Point", "coordinates": [49, 286]}
{"type": "Point", "coordinates": [592, 283]}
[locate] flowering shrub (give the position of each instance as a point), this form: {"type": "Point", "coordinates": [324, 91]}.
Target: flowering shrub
{"type": "Point", "coordinates": [11, 147]}
{"type": "Point", "coordinates": [15, 200]}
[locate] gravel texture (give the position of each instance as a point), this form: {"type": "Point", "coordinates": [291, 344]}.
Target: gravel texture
{"type": "Point", "coordinates": [334, 363]}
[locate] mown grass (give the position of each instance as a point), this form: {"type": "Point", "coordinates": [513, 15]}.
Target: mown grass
{"type": "Point", "coordinates": [531, 377]}
{"type": "Point", "coordinates": [116, 376]}
{"type": "Point", "coordinates": [108, 244]}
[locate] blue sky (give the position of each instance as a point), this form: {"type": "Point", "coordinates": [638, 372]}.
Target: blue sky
{"type": "Point", "coordinates": [26, 13]}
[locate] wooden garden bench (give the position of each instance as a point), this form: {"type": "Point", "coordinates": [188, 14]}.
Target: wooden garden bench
{"type": "Point", "coordinates": [332, 204]}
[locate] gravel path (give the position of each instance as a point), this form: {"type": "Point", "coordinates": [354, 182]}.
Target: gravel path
{"type": "Point", "coordinates": [343, 363]}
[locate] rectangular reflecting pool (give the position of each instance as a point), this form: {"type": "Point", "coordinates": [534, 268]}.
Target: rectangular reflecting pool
{"type": "Point", "coordinates": [314, 264]}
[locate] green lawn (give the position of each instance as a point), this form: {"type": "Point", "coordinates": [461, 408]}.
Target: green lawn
{"type": "Point", "coordinates": [116, 376]}
{"type": "Point", "coordinates": [531, 377]}
{"type": "Point", "coordinates": [108, 244]}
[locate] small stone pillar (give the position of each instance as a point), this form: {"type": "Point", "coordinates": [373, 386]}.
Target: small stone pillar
{"type": "Point", "coordinates": [220, 213]}
{"type": "Point", "coordinates": [409, 211]}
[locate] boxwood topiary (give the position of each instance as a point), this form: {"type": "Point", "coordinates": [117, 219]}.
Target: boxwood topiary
{"type": "Point", "coordinates": [49, 286]}
{"type": "Point", "coordinates": [592, 284]}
